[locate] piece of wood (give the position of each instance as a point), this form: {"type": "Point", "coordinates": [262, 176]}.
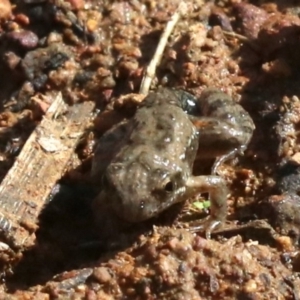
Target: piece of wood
{"type": "Point", "coordinates": [42, 161]}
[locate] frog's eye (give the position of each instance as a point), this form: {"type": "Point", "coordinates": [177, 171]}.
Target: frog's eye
{"type": "Point", "coordinates": [164, 182]}
{"type": "Point", "coordinates": [168, 186]}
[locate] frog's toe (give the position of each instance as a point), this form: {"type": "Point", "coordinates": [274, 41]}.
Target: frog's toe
{"type": "Point", "coordinates": [207, 225]}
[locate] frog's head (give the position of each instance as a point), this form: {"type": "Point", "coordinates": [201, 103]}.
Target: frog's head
{"type": "Point", "coordinates": [144, 187]}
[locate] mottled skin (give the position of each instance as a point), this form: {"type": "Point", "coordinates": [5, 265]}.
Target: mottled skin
{"type": "Point", "coordinates": [146, 162]}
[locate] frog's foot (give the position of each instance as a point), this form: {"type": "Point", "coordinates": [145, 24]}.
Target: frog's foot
{"type": "Point", "coordinates": [207, 225]}
{"type": "Point", "coordinates": [220, 160]}
{"type": "Point", "coordinates": [216, 187]}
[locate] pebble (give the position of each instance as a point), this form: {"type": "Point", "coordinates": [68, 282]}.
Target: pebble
{"type": "Point", "coordinates": [5, 9]}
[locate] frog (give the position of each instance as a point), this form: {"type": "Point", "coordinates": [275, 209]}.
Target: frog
{"type": "Point", "coordinates": [144, 165]}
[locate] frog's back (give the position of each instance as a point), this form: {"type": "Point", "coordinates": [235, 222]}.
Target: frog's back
{"type": "Point", "coordinates": [162, 125]}
{"type": "Point", "coordinates": [160, 129]}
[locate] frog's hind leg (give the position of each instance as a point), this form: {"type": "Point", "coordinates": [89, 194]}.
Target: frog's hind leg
{"type": "Point", "coordinates": [220, 160]}
{"type": "Point", "coordinates": [216, 137]}
{"type": "Point", "coordinates": [225, 128]}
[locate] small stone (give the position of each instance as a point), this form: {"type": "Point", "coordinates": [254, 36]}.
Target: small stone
{"type": "Point", "coordinates": [250, 18]}
{"type": "Point", "coordinates": [296, 158]}
{"type": "Point", "coordinates": [5, 9]}
{"type": "Point", "coordinates": [250, 286]}
{"type": "Point", "coordinates": [26, 39]}
{"type": "Point", "coordinates": [76, 4]}
{"type": "Point", "coordinates": [92, 25]}
{"type": "Point", "coordinates": [286, 243]}
{"type": "Point", "coordinates": [102, 275]}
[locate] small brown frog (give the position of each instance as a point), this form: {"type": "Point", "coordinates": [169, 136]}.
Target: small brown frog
{"type": "Point", "coordinates": [146, 162]}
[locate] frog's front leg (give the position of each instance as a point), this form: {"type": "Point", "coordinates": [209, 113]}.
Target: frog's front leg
{"type": "Point", "coordinates": [217, 189]}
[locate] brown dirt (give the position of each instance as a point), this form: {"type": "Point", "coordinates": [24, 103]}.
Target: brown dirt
{"type": "Point", "coordinates": [98, 50]}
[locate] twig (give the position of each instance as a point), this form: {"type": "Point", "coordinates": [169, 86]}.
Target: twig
{"type": "Point", "coordinates": [150, 71]}
{"type": "Point", "coordinates": [251, 42]}
{"type": "Point", "coordinates": [240, 37]}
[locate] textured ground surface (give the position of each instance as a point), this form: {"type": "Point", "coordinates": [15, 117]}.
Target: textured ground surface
{"type": "Point", "coordinates": [97, 51]}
